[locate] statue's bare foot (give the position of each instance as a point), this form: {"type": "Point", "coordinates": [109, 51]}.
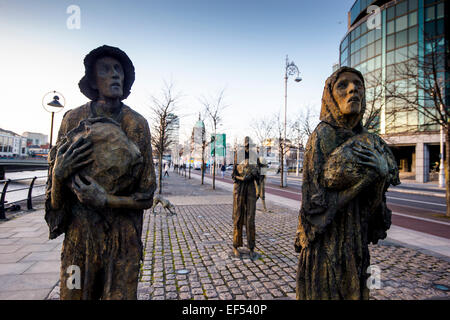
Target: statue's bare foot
{"type": "Point", "coordinates": [236, 253]}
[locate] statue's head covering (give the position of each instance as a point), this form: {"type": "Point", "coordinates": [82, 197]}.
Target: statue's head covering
{"type": "Point", "coordinates": [330, 112]}
{"type": "Point", "coordinates": [89, 64]}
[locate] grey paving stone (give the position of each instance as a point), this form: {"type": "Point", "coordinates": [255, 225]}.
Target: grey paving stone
{"type": "Point", "coordinates": [14, 268]}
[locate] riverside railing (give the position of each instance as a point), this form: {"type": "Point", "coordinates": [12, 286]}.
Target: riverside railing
{"type": "Point", "coordinates": [13, 205]}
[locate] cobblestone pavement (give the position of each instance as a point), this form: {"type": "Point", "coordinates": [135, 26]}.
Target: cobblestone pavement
{"type": "Point", "coordinates": [198, 239]}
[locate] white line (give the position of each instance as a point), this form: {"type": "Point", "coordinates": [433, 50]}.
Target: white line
{"type": "Point", "coordinates": [425, 202]}
{"type": "Point", "coordinates": [420, 218]}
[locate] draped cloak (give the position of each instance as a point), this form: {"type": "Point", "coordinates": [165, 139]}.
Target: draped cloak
{"type": "Point", "coordinates": [333, 241]}
{"type": "Point", "coordinates": [104, 243]}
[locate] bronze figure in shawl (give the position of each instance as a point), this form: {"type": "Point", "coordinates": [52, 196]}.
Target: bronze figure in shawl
{"type": "Point", "coordinates": [347, 171]}
{"type": "Point", "coordinates": [246, 178]}
{"type": "Point", "coordinates": [101, 178]}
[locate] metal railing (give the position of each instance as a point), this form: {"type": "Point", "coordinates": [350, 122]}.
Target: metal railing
{"type": "Point", "coordinates": [13, 205]}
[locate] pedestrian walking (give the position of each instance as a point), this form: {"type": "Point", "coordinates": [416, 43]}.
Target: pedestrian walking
{"type": "Point", "coordinates": [166, 169]}
{"type": "Point", "coordinates": [222, 170]}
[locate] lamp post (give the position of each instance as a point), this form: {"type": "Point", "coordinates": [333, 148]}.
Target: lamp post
{"type": "Point", "coordinates": [290, 70]}
{"type": "Point", "coordinates": [53, 107]}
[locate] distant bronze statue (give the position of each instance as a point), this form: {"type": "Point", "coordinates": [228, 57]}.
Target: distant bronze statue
{"type": "Point", "coordinates": [101, 178]}
{"type": "Point", "coordinates": [261, 185]}
{"type": "Point", "coordinates": [246, 177]}
{"type": "Point", "coordinates": [347, 171]}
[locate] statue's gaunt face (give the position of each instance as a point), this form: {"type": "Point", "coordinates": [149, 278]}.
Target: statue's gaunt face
{"type": "Point", "coordinates": [109, 78]}
{"type": "Point", "coordinates": [348, 91]}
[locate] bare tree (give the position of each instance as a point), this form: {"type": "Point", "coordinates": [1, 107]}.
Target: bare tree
{"type": "Point", "coordinates": [418, 85]}
{"type": "Point", "coordinates": [302, 127]}
{"type": "Point", "coordinates": [283, 146]}
{"type": "Point", "coordinates": [263, 129]}
{"type": "Point", "coordinates": [163, 109]}
{"type": "Point", "coordinates": [214, 108]}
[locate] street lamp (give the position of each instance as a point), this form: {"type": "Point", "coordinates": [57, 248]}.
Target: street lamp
{"type": "Point", "coordinates": [53, 107]}
{"type": "Point", "coordinates": [290, 70]}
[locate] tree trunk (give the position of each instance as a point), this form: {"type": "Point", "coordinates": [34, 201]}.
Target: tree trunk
{"type": "Point", "coordinates": [160, 174]}
{"type": "Point", "coordinates": [447, 169]}
{"type": "Point", "coordinates": [203, 164]}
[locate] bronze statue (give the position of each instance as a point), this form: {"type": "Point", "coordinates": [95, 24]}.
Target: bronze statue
{"type": "Point", "coordinates": [347, 171]}
{"type": "Point", "coordinates": [261, 185]}
{"type": "Point", "coordinates": [101, 178]}
{"type": "Point", "coordinates": [246, 177]}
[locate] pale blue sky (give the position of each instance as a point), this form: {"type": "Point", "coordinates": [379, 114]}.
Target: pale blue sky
{"type": "Point", "coordinates": [203, 46]}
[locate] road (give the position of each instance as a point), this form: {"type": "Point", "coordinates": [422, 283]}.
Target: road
{"type": "Point", "coordinates": [417, 212]}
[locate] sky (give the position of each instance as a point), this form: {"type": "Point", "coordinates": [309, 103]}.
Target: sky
{"type": "Point", "coordinates": [201, 46]}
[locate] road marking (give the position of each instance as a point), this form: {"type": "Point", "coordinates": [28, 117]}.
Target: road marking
{"type": "Point", "coordinates": [424, 202]}
{"type": "Point", "coordinates": [420, 218]}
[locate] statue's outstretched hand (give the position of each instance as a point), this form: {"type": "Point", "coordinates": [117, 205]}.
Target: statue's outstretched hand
{"type": "Point", "coordinates": [71, 157]}
{"type": "Point", "coordinates": [90, 193]}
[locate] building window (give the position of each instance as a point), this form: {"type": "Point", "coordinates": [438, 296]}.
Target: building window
{"type": "Point", "coordinates": [391, 13]}
{"type": "Point", "coordinates": [401, 23]}
{"type": "Point", "coordinates": [412, 5]}
{"type": "Point", "coordinates": [401, 38]}
{"type": "Point", "coordinates": [401, 8]}
{"type": "Point", "coordinates": [412, 19]}
{"type": "Point", "coordinates": [429, 13]}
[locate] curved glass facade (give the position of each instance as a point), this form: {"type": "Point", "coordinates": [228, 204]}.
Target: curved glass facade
{"type": "Point", "coordinates": [378, 52]}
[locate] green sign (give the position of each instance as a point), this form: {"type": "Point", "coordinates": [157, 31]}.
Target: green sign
{"type": "Point", "coordinates": [220, 145]}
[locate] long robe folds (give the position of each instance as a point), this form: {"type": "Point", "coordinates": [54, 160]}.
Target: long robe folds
{"type": "Point", "coordinates": [332, 237]}
{"type": "Point", "coordinates": [244, 204]}
{"type": "Point", "coordinates": [104, 244]}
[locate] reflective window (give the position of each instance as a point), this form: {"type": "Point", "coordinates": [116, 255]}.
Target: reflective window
{"type": "Point", "coordinates": [378, 47]}
{"type": "Point", "coordinates": [371, 50]}
{"type": "Point", "coordinates": [377, 34]}
{"type": "Point", "coordinates": [371, 65]}
{"type": "Point", "coordinates": [412, 19]}
{"type": "Point", "coordinates": [363, 54]}
{"type": "Point", "coordinates": [440, 11]}
{"type": "Point", "coordinates": [401, 38]}
{"type": "Point", "coordinates": [390, 27]}
{"type": "Point", "coordinates": [412, 34]}
{"type": "Point", "coordinates": [401, 23]}
{"type": "Point", "coordinates": [412, 5]}
{"type": "Point", "coordinates": [363, 40]}
{"type": "Point", "coordinates": [357, 32]}
{"type": "Point", "coordinates": [390, 57]}
{"type": "Point", "coordinates": [412, 51]}
{"type": "Point", "coordinates": [429, 13]}
{"type": "Point", "coordinates": [378, 62]}
{"type": "Point", "coordinates": [363, 27]}
{"type": "Point", "coordinates": [401, 54]}
{"type": "Point", "coordinates": [402, 8]}
{"type": "Point", "coordinates": [440, 26]}
{"type": "Point", "coordinates": [371, 36]}
{"type": "Point", "coordinates": [391, 13]}
{"type": "Point", "coordinates": [430, 29]}
{"type": "Point", "coordinates": [390, 42]}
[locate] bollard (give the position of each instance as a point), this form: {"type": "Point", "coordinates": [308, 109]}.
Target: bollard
{"type": "Point", "coordinates": [2, 200]}
{"type": "Point", "coordinates": [29, 199]}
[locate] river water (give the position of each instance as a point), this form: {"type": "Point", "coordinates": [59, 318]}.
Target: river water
{"type": "Point", "coordinates": [38, 189]}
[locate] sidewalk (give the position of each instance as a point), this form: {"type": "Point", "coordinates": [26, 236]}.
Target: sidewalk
{"type": "Point", "coordinates": [189, 255]}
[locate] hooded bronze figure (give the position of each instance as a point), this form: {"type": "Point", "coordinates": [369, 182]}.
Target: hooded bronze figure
{"type": "Point", "coordinates": [101, 177]}
{"type": "Point", "coordinates": [347, 171]}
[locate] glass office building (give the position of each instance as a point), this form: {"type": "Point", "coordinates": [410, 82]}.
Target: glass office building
{"type": "Point", "coordinates": [399, 32]}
